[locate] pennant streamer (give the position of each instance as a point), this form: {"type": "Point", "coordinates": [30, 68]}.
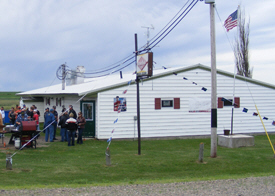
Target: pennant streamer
{"type": "Point", "coordinates": [118, 111]}
{"type": "Point", "coordinates": [224, 99]}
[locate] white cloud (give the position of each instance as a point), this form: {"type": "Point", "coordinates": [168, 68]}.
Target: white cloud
{"type": "Point", "coordinates": [38, 36]}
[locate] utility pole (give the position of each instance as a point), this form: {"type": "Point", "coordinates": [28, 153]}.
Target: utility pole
{"type": "Point", "coordinates": [213, 80]}
{"type": "Point", "coordinates": [63, 76]}
{"type": "Point", "coordinates": [138, 105]}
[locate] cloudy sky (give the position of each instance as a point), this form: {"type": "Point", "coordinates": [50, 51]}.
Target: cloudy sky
{"type": "Point", "coordinates": [38, 36]}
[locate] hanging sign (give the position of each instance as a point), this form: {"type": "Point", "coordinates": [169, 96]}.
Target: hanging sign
{"type": "Point", "coordinates": [145, 64]}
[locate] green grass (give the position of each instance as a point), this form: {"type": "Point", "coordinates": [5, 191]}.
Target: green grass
{"type": "Point", "coordinates": [160, 161]}
{"type": "Point", "coordinates": [9, 99]}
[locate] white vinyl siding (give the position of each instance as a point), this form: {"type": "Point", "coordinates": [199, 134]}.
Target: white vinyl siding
{"type": "Point", "coordinates": [168, 122]}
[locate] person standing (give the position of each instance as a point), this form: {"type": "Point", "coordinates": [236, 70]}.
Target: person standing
{"type": "Point", "coordinates": [48, 124]}
{"type": "Point", "coordinates": [12, 116]}
{"type": "Point", "coordinates": [81, 121]}
{"type": "Point", "coordinates": [62, 122]}
{"type": "Point", "coordinates": [71, 125]}
{"type": "Point", "coordinates": [71, 110]}
{"type": "Point", "coordinates": [21, 117]}
{"type": "Point", "coordinates": [36, 119]}
{"type": "Point", "coordinates": [3, 114]}
{"type": "Point", "coordinates": [55, 123]}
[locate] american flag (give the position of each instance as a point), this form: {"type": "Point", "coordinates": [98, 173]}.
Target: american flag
{"type": "Point", "coordinates": [231, 21]}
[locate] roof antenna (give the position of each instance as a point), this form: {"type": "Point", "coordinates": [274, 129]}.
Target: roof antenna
{"type": "Point", "coordinates": [148, 32]}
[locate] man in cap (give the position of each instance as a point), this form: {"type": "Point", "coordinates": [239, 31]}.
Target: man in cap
{"type": "Point", "coordinates": [71, 110]}
{"type": "Point", "coordinates": [48, 124]}
{"type": "Point", "coordinates": [21, 117]}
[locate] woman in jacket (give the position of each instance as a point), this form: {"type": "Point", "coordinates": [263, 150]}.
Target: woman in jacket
{"type": "Point", "coordinates": [81, 121]}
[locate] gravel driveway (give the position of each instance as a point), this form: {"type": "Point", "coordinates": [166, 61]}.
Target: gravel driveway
{"type": "Point", "coordinates": [240, 187]}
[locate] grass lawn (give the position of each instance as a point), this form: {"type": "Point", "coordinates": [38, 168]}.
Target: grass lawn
{"type": "Point", "coordinates": [9, 99]}
{"type": "Point", "coordinates": [160, 161]}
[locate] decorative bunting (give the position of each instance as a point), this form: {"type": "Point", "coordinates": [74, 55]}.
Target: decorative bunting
{"type": "Point", "coordinates": [116, 121]}
{"type": "Point", "coordinates": [110, 139]}
{"type": "Point", "coordinates": [175, 73]}
{"type": "Point", "coordinates": [164, 67]}
{"type": "Point", "coordinates": [124, 92]}
{"type": "Point", "coordinates": [224, 99]}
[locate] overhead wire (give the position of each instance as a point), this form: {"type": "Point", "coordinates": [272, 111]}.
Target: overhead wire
{"type": "Point", "coordinates": [165, 31]}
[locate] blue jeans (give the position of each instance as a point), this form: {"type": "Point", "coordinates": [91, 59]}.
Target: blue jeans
{"type": "Point", "coordinates": [71, 136]}
{"type": "Point", "coordinates": [79, 138]}
{"type": "Point", "coordinates": [63, 133]}
{"type": "Point", "coordinates": [49, 132]}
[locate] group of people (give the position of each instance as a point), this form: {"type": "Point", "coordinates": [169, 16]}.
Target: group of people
{"type": "Point", "coordinates": [16, 116]}
{"type": "Point", "coordinates": [69, 123]}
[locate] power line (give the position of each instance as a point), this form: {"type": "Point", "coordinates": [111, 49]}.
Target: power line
{"type": "Point", "coordinates": [156, 39]}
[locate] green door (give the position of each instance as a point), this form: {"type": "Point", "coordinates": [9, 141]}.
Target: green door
{"type": "Point", "coordinates": [88, 111]}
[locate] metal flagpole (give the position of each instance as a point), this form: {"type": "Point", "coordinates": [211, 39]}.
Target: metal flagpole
{"type": "Point", "coordinates": [232, 115]}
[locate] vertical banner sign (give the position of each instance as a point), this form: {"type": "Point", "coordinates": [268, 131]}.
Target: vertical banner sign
{"type": "Point", "coordinates": [145, 64]}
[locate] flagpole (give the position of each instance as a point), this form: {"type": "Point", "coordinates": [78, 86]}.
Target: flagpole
{"type": "Point", "coordinates": [232, 114]}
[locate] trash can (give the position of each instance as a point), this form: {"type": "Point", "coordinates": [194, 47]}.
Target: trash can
{"type": "Point", "coordinates": [226, 131]}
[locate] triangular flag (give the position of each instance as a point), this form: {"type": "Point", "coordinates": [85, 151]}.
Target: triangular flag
{"type": "Point", "coordinates": [245, 110]}
{"type": "Point", "coordinates": [204, 89]}
{"type": "Point", "coordinates": [255, 114]}
{"type": "Point", "coordinates": [265, 118]}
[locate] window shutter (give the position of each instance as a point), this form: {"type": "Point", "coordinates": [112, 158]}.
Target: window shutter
{"type": "Point", "coordinates": [176, 103]}
{"type": "Point", "coordinates": [157, 103]}
{"type": "Point", "coordinates": [220, 102]}
{"type": "Point", "coordinates": [237, 102]}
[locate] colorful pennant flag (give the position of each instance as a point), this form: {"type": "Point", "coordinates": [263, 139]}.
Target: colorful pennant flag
{"type": "Point", "coordinates": [255, 114]}
{"type": "Point", "coordinates": [245, 110]}
{"type": "Point", "coordinates": [116, 121]}
{"type": "Point", "coordinates": [265, 118]}
{"type": "Point", "coordinates": [204, 89]}
{"type": "Point", "coordinates": [110, 139]}
{"type": "Point", "coordinates": [185, 78]}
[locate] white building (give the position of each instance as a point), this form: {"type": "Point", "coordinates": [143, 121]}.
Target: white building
{"type": "Point", "coordinates": [172, 103]}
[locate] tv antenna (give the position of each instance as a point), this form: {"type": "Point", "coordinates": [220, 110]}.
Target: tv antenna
{"type": "Point", "coordinates": [148, 32]}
